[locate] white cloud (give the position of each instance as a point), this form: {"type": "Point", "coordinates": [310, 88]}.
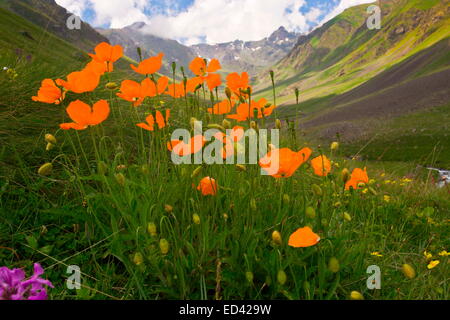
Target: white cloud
{"type": "Point", "coordinates": [213, 21]}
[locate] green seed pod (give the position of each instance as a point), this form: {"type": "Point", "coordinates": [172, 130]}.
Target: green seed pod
{"type": "Point", "coordinates": [120, 178]}
{"type": "Point", "coordinates": [333, 265]}
{"type": "Point", "coordinates": [278, 124]}
{"type": "Point", "coordinates": [310, 212]}
{"type": "Point", "coordinates": [249, 276]}
{"type": "Point", "coordinates": [317, 190]}
{"type": "Point", "coordinates": [111, 86]}
{"type": "Point", "coordinates": [281, 277]}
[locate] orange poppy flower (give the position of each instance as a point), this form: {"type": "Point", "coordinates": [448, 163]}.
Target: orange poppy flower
{"type": "Point", "coordinates": [213, 80]}
{"type": "Point", "coordinates": [99, 67]}
{"type": "Point", "coordinates": [321, 166]}
{"type": "Point", "coordinates": [208, 186]}
{"type": "Point", "coordinates": [243, 112]}
{"type": "Point", "coordinates": [199, 67]}
{"type": "Point", "coordinates": [159, 119]}
{"type": "Point", "coordinates": [84, 116]}
{"type": "Point", "coordinates": [105, 52]}
{"type": "Point", "coordinates": [80, 81]}
{"type": "Point", "coordinates": [49, 93]}
{"type": "Point", "coordinates": [358, 176]}
{"type": "Point", "coordinates": [236, 82]}
{"type": "Point", "coordinates": [184, 149]}
{"type": "Point", "coordinates": [282, 163]}
{"type": "Point", "coordinates": [193, 83]}
{"type": "Point", "coordinates": [223, 107]}
{"type": "Point", "coordinates": [303, 237]}
{"type": "Point", "coordinates": [150, 65]}
{"type": "Point", "coordinates": [136, 92]}
{"type": "Point", "coordinates": [176, 90]}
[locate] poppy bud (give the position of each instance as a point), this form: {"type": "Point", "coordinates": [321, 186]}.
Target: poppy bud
{"type": "Point", "coordinates": [272, 74]}
{"type": "Point", "coordinates": [249, 276]}
{"type": "Point", "coordinates": [196, 218]}
{"type": "Point", "coordinates": [46, 169]}
{"type": "Point", "coordinates": [241, 167]}
{"type": "Point", "coordinates": [334, 146]}
{"type": "Point", "coordinates": [253, 205]}
{"type": "Point", "coordinates": [317, 190]}
{"type": "Point", "coordinates": [408, 271]}
{"type": "Point", "coordinates": [164, 246]}
{"type": "Point", "coordinates": [345, 175]}
{"type": "Point", "coordinates": [253, 125]}
{"type": "Point", "coordinates": [120, 178]}
{"type": "Point", "coordinates": [228, 92]}
{"type": "Point", "coordinates": [361, 185]}
{"type": "Point", "coordinates": [50, 138]}
{"type": "Point", "coordinates": [347, 217]}
{"type": "Point", "coordinates": [138, 259]}
{"type": "Point", "coordinates": [139, 52]}
{"type": "Point", "coordinates": [310, 212]}
{"type": "Point", "coordinates": [216, 126]}
{"type": "Point", "coordinates": [193, 121]}
{"type": "Point", "coordinates": [168, 208]}
{"type": "Point", "coordinates": [102, 168]}
{"type": "Point", "coordinates": [276, 238]}
{"type": "Point", "coordinates": [281, 277]}
{"type": "Point", "coordinates": [297, 93]}
{"type": "Point", "coordinates": [278, 124]}
{"type": "Point", "coordinates": [286, 199]}
{"type": "Point", "coordinates": [49, 146]}
{"type": "Point", "coordinates": [174, 66]}
{"type": "Point", "coordinates": [151, 229]}
{"type": "Point", "coordinates": [333, 265]}
{"type": "Point", "coordinates": [182, 71]}
{"type": "Point", "coordinates": [355, 295]}
{"type": "Point", "coordinates": [111, 86]}
{"type": "Point", "coordinates": [145, 169]}
{"type": "Point", "coordinates": [226, 124]}
{"type": "Point", "coordinates": [196, 172]}
{"type": "Point", "coordinates": [198, 87]}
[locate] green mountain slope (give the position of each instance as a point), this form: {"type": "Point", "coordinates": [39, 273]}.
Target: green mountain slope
{"type": "Point", "coordinates": [344, 53]}
{"type": "Point", "coordinates": [53, 18]}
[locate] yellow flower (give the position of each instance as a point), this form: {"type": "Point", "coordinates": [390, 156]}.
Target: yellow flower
{"type": "Point", "coordinates": [427, 255]}
{"type": "Point", "coordinates": [276, 238]}
{"type": "Point", "coordinates": [433, 264]}
{"type": "Point", "coordinates": [355, 295]}
{"type": "Point", "coordinates": [376, 254]}
{"type": "Point", "coordinates": [388, 182]}
{"type": "Point", "coordinates": [387, 198]}
{"type": "Point", "coordinates": [164, 246]}
{"type": "Point", "coordinates": [138, 259]}
{"type": "Point", "coordinates": [334, 146]}
{"type": "Point", "coordinates": [444, 253]}
{"type": "Point", "coordinates": [365, 191]}
{"type": "Point", "coordinates": [347, 217]}
{"type": "Point", "coordinates": [46, 169]}
{"type": "Point", "coordinates": [196, 218]}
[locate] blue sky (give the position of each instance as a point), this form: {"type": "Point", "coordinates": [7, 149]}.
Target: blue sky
{"type": "Point", "coordinates": [211, 21]}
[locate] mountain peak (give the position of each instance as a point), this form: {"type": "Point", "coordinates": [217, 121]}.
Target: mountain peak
{"type": "Point", "coordinates": [137, 25]}
{"type": "Point", "coordinates": [280, 34]}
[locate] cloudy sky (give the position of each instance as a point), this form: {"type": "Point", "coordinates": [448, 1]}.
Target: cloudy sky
{"type": "Point", "coordinates": [211, 21]}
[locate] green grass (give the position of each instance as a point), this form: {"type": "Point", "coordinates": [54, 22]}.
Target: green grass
{"type": "Point", "coordinates": [81, 214]}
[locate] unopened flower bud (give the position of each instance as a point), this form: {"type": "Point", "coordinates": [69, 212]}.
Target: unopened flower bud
{"type": "Point", "coordinates": [281, 277]}
{"type": "Point", "coordinates": [168, 208]}
{"type": "Point", "coordinates": [196, 172]}
{"type": "Point", "coordinates": [286, 199]}
{"type": "Point", "coordinates": [310, 212]}
{"type": "Point", "coordinates": [228, 92]}
{"type": "Point", "coordinates": [333, 265]}
{"type": "Point", "coordinates": [120, 178]}
{"type": "Point", "coordinates": [345, 175]}
{"type": "Point", "coordinates": [355, 295]}
{"type": "Point", "coordinates": [278, 124]}
{"type": "Point", "coordinates": [317, 190]}
{"type": "Point", "coordinates": [164, 246]}
{"type": "Point", "coordinates": [408, 271]}
{"type": "Point", "coordinates": [50, 138]}
{"type": "Point", "coordinates": [111, 86]}
{"type": "Point", "coordinates": [276, 238]}
{"type": "Point", "coordinates": [138, 259]}
{"type": "Point", "coordinates": [46, 169]}
{"type": "Point", "coordinates": [196, 218]}
{"type": "Point", "coordinates": [241, 167]}
{"type": "Point", "coordinates": [347, 217]}
{"type": "Point", "coordinates": [226, 124]}
{"type": "Point", "coordinates": [249, 276]}
{"type": "Point", "coordinates": [102, 168]}
{"type": "Point", "coordinates": [335, 146]}
{"type": "Point", "coordinates": [49, 146]}
{"type": "Point", "coordinates": [151, 229]}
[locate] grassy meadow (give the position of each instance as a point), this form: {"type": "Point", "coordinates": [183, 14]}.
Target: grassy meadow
{"type": "Point", "coordinates": [114, 204]}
